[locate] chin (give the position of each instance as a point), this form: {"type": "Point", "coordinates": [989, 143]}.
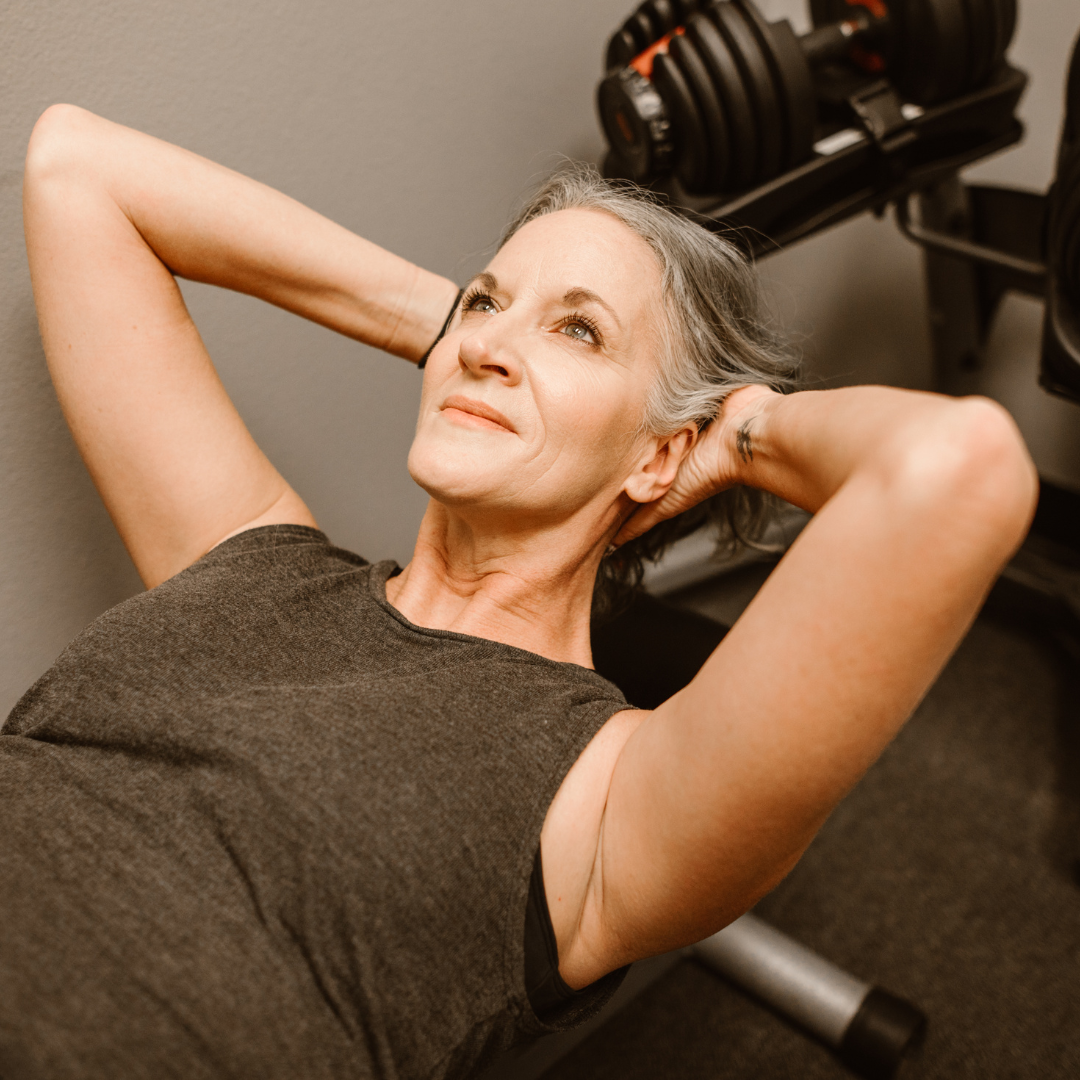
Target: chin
{"type": "Point", "coordinates": [460, 472]}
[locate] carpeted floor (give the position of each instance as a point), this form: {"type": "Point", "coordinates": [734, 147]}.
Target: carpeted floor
{"type": "Point", "coordinates": [949, 876]}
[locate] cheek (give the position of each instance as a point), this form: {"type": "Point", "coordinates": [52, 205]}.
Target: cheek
{"type": "Point", "coordinates": [594, 419]}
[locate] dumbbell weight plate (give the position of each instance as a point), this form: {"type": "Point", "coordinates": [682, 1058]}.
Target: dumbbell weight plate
{"type": "Point", "coordinates": [794, 84]}
{"type": "Point", "coordinates": [995, 16]}
{"type": "Point", "coordinates": [955, 14]}
{"type": "Point", "coordinates": [1071, 133]}
{"type": "Point", "coordinates": [693, 67]}
{"type": "Point", "coordinates": [762, 35]}
{"type": "Point", "coordinates": [656, 27]}
{"type": "Point", "coordinates": [640, 25]}
{"type": "Point", "coordinates": [756, 74]}
{"type": "Point", "coordinates": [731, 93]}
{"type": "Point", "coordinates": [665, 15]}
{"type": "Point", "coordinates": [1009, 17]}
{"type": "Point", "coordinates": [622, 48]}
{"type": "Point", "coordinates": [827, 12]}
{"type": "Point", "coordinates": [980, 17]}
{"type": "Point", "coordinates": [932, 61]}
{"type": "Point", "coordinates": [1005, 26]}
{"type": "Point", "coordinates": [691, 155]}
{"type": "Point", "coordinates": [798, 83]}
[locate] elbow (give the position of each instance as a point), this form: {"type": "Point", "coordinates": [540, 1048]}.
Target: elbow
{"type": "Point", "coordinates": [977, 470]}
{"type": "Point", "coordinates": [998, 475]}
{"type": "Point", "coordinates": [58, 143]}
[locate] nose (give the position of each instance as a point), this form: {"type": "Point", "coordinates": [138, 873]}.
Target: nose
{"type": "Point", "coordinates": [491, 351]}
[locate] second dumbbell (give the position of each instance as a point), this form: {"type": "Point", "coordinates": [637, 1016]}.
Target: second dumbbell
{"type": "Point", "coordinates": [727, 100]}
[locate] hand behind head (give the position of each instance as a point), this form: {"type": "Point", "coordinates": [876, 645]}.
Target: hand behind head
{"type": "Point", "coordinates": [717, 461]}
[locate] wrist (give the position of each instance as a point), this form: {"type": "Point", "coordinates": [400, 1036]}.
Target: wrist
{"type": "Point", "coordinates": [745, 416]}
{"type": "Point", "coordinates": [421, 313]}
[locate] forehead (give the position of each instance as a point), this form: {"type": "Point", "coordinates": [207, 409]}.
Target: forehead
{"type": "Point", "coordinates": [580, 248]}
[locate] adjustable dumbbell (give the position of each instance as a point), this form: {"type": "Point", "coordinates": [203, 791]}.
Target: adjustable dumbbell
{"type": "Point", "coordinates": [727, 100]}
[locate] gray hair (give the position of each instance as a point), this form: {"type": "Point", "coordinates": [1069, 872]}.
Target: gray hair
{"type": "Point", "coordinates": [713, 340]}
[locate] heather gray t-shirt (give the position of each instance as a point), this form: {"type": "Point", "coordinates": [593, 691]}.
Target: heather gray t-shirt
{"type": "Point", "coordinates": [255, 823]}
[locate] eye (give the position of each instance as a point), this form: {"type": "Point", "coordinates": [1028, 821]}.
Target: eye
{"type": "Point", "coordinates": [581, 329]}
{"type": "Point", "coordinates": [480, 302]}
{"type": "Point", "coordinates": [578, 331]}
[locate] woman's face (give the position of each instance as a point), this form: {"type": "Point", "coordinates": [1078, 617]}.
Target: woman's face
{"type": "Point", "coordinates": [532, 401]}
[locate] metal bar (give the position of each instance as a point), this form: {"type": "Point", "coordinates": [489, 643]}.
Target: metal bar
{"type": "Point", "coordinates": [957, 320]}
{"type": "Point", "coordinates": [964, 249]}
{"type": "Point", "coordinates": [794, 980]}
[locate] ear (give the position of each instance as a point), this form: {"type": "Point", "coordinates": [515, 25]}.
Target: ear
{"type": "Point", "coordinates": [659, 464]}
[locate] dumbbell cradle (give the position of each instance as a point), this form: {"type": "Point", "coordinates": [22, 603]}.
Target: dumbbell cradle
{"type": "Point", "coordinates": [727, 100]}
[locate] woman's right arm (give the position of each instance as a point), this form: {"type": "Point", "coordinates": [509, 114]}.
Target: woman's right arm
{"type": "Point", "coordinates": [111, 216]}
{"type": "Point", "coordinates": [702, 806]}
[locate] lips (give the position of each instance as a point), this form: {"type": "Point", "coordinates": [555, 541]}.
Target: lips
{"type": "Point", "coordinates": [478, 410]}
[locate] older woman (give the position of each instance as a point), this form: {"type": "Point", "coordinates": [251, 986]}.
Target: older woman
{"type": "Point", "coordinates": [291, 814]}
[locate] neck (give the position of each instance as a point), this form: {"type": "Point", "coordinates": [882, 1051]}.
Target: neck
{"type": "Point", "coordinates": [532, 590]}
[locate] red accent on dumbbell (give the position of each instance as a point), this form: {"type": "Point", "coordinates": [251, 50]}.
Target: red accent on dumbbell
{"type": "Point", "coordinates": [878, 8]}
{"type": "Point", "coordinates": [871, 62]}
{"type": "Point", "coordinates": [642, 63]}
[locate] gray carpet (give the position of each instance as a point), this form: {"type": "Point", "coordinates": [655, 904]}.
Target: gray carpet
{"type": "Point", "coordinates": [949, 876]}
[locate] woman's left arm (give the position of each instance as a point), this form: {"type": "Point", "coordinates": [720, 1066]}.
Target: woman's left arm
{"type": "Point", "coordinates": [710, 800]}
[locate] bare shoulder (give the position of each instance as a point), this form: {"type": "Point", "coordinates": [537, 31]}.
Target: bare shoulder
{"type": "Point", "coordinates": [571, 835]}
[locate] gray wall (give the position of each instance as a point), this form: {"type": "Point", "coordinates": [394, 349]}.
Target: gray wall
{"type": "Point", "coordinates": [417, 124]}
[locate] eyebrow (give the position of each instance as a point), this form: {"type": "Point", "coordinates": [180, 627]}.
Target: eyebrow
{"type": "Point", "coordinates": [579, 295]}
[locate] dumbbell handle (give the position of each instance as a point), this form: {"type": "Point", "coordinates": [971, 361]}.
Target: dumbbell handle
{"type": "Point", "coordinates": [834, 41]}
